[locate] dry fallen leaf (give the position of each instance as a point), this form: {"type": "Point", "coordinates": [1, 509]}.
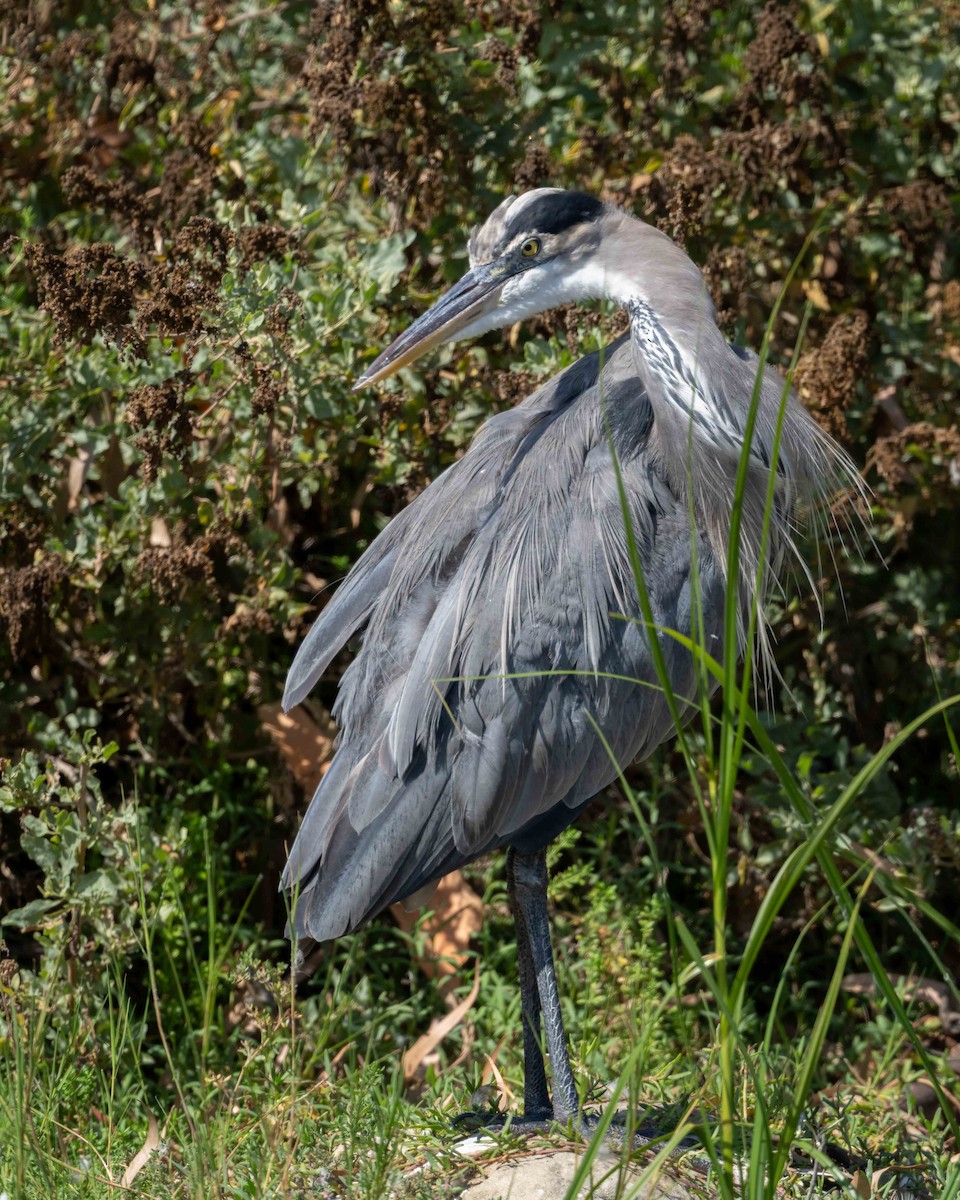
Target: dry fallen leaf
{"type": "Point", "coordinates": [438, 1030]}
{"type": "Point", "coordinates": [77, 470]}
{"type": "Point", "coordinates": [492, 1071]}
{"type": "Point", "coordinates": [457, 915]}
{"type": "Point", "coordinates": [306, 746]}
{"type": "Point", "coordinates": [160, 533]}
{"type": "Point", "coordinates": [814, 292]}
{"type": "Point", "coordinates": [861, 1185]}
{"type": "Point", "coordinates": [142, 1156]}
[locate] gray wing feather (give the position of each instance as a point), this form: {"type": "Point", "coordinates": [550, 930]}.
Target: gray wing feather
{"type": "Point", "coordinates": [343, 616]}
{"type": "Point", "coordinates": [358, 596]}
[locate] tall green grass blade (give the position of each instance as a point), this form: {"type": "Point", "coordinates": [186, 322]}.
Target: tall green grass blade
{"type": "Point", "coordinates": [811, 1059]}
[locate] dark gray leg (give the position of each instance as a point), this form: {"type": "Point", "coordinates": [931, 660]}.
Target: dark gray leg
{"type": "Point", "coordinates": [540, 1003]}
{"type": "Point", "coordinates": [536, 1096]}
{"type": "Point", "coordinates": [529, 878]}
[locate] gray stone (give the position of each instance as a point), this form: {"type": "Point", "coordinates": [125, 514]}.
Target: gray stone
{"type": "Point", "coordinates": [549, 1176]}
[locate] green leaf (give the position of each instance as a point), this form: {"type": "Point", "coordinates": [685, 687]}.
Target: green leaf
{"type": "Point", "coordinates": [387, 261]}
{"type": "Point", "coordinates": [30, 914]}
{"type": "Point", "coordinates": [102, 885]}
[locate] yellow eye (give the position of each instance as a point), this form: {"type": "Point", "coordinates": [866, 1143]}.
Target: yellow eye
{"type": "Point", "coordinates": [530, 247]}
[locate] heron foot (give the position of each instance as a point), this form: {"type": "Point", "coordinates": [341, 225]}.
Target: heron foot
{"type": "Point", "coordinates": [642, 1130]}
{"type": "Point", "coordinates": [473, 1121]}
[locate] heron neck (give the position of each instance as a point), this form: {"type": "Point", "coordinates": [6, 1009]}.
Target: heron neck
{"type": "Point", "coordinates": [639, 264]}
{"type": "Point", "coordinates": [677, 375]}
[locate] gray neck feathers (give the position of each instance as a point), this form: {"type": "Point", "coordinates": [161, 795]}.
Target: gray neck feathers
{"type": "Point", "coordinates": [702, 392]}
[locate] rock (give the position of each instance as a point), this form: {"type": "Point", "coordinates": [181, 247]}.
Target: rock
{"type": "Point", "coordinates": [549, 1176]}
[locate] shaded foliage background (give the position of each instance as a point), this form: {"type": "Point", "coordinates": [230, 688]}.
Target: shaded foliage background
{"type": "Point", "coordinates": [213, 216]}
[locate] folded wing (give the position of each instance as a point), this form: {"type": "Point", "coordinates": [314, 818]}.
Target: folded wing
{"type": "Point", "coordinates": [501, 640]}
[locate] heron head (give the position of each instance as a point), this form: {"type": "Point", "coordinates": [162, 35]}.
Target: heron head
{"type": "Point", "coordinates": [535, 252]}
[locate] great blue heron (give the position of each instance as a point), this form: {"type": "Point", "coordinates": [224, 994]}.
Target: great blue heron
{"type": "Point", "coordinates": [495, 645]}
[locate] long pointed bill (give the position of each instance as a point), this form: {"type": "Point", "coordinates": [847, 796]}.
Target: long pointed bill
{"type": "Point", "coordinates": [477, 293]}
